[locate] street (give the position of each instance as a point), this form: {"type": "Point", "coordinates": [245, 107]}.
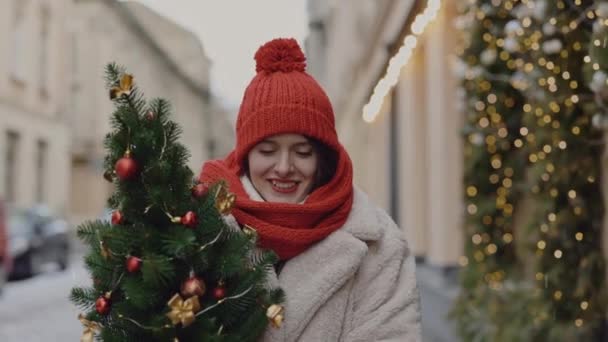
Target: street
{"type": "Point", "coordinates": [38, 308]}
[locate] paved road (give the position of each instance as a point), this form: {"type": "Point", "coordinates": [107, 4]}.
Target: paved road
{"type": "Point", "coordinates": [38, 309]}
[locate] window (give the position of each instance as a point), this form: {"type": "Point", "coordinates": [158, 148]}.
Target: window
{"type": "Point", "coordinates": [17, 62]}
{"type": "Point", "coordinates": [41, 158]}
{"type": "Point", "coordinates": [43, 56]}
{"type": "Point", "coordinates": [10, 173]}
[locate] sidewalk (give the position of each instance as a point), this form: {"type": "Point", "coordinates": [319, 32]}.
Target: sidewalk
{"type": "Point", "coordinates": [438, 290]}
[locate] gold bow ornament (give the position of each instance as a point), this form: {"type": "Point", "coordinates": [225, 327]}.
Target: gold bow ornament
{"type": "Point", "coordinates": [104, 250]}
{"type": "Point", "coordinates": [250, 231]}
{"type": "Point", "coordinates": [224, 200]}
{"type": "Point", "coordinates": [183, 311]}
{"type": "Point", "coordinates": [124, 88]}
{"type": "Point", "coordinates": [90, 328]}
{"type": "Point", "coordinates": [275, 315]}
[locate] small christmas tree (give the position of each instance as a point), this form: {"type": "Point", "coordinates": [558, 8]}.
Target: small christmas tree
{"type": "Point", "coordinates": [168, 267]}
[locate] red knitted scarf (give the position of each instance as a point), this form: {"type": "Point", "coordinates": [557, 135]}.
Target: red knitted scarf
{"type": "Point", "coordinates": [289, 229]}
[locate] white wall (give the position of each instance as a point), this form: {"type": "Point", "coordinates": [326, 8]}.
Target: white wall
{"type": "Point", "coordinates": [28, 112]}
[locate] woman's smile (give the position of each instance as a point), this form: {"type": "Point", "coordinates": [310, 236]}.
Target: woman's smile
{"type": "Point", "coordinates": [284, 186]}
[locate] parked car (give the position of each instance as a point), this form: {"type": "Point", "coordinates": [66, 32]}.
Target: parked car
{"type": "Point", "coordinates": [38, 239]}
{"type": "Point", "coordinates": [5, 257]}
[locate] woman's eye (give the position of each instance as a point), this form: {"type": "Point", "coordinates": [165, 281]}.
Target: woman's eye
{"type": "Point", "coordinates": [304, 153]}
{"type": "Point", "coordinates": [266, 152]}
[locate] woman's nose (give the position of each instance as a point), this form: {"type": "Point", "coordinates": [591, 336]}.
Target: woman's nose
{"type": "Point", "coordinates": [283, 165]}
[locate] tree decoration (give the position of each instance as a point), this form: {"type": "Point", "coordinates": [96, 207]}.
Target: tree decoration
{"type": "Point", "coordinates": [224, 200]}
{"type": "Point", "coordinates": [102, 304]}
{"type": "Point", "coordinates": [124, 88]}
{"type": "Point", "coordinates": [104, 250]}
{"type": "Point", "coordinates": [219, 292]}
{"type": "Point", "coordinates": [275, 315]}
{"type": "Point", "coordinates": [117, 217]}
{"type": "Point", "coordinates": [90, 328]}
{"type": "Point", "coordinates": [193, 286]}
{"type": "Point", "coordinates": [189, 219]}
{"type": "Point", "coordinates": [150, 116]}
{"type": "Point", "coordinates": [183, 311]}
{"type": "Point", "coordinates": [133, 264]}
{"type": "Point", "coordinates": [126, 167]}
{"type": "Point", "coordinates": [199, 190]}
{"type": "Point", "coordinates": [250, 231]}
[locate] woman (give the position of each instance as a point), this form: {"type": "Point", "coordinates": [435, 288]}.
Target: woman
{"type": "Point", "coordinates": [345, 267]}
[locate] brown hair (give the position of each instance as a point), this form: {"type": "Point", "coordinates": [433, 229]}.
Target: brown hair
{"type": "Point", "coordinates": [328, 160]}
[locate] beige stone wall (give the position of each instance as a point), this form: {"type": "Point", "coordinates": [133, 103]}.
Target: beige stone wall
{"type": "Point", "coordinates": [102, 33]}
{"type": "Point", "coordinates": [415, 206]}
{"type": "Point", "coordinates": [444, 144]}
{"type": "Point", "coordinates": [33, 105]}
{"type": "Point", "coordinates": [181, 45]}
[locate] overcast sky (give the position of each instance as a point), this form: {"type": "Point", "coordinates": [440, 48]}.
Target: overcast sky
{"type": "Point", "coordinates": [232, 30]}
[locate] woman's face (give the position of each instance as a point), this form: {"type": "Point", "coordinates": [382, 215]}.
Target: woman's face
{"type": "Point", "coordinates": [282, 167]}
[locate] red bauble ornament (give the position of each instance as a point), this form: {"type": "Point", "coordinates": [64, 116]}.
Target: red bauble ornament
{"type": "Point", "coordinates": [126, 167]}
{"type": "Point", "coordinates": [189, 219]}
{"type": "Point", "coordinates": [102, 304]}
{"type": "Point", "coordinates": [133, 264]}
{"type": "Point", "coordinates": [150, 115]}
{"type": "Point", "coordinates": [117, 217]}
{"type": "Point", "coordinates": [193, 286]}
{"type": "Point", "coordinates": [219, 292]}
{"type": "Point", "coordinates": [199, 190]}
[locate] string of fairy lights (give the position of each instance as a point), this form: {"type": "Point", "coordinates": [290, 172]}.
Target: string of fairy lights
{"type": "Point", "coordinates": [371, 110]}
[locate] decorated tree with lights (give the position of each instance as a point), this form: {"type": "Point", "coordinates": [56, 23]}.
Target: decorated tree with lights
{"type": "Point", "coordinates": [168, 267]}
{"type": "Point", "coordinates": [563, 234]}
{"type": "Point", "coordinates": [494, 173]}
{"type": "Point", "coordinates": [552, 288]}
{"type": "Point", "coordinates": [596, 65]}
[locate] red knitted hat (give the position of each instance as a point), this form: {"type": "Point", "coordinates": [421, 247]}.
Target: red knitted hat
{"type": "Point", "coordinates": [283, 98]}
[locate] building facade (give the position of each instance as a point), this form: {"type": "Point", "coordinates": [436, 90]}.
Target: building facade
{"type": "Point", "coordinates": [166, 60]}
{"type": "Point", "coordinates": [34, 130]}
{"type": "Point", "coordinates": [54, 110]}
{"type": "Point", "coordinates": [409, 158]}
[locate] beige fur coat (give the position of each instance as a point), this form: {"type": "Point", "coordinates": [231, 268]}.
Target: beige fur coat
{"type": "Point", "coordinates": [358, 284]}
